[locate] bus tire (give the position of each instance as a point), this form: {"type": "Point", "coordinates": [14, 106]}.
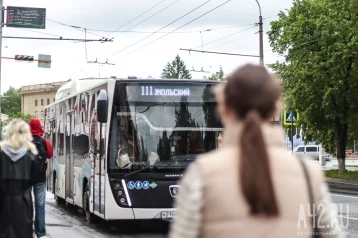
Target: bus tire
{"type": "Point", "coordinates": [86, 197]}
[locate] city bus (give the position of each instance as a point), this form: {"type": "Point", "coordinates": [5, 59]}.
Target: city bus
{"type": "Point", "coordinates": [121, 145]}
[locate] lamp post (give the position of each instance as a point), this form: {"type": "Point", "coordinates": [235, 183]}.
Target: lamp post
{"type": "Point", "coordinates": [261, 43]}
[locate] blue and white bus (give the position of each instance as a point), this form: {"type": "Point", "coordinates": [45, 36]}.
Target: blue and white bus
{"type": "Point", "coordinates": [120, 145]}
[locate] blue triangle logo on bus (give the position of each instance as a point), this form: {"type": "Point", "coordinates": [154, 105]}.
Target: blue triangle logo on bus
{"type": "Point", "coordinates": [153, 185]}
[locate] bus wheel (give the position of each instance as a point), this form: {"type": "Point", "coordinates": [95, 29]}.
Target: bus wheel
{"type": "Point", "coordinates": [86, 205]}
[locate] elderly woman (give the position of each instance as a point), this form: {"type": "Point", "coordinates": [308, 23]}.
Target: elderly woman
{"type": "Point", "coordinates": [16, 164]}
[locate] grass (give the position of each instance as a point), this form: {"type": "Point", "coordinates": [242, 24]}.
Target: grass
{"type": "Point", "coordinates": [346, 175]}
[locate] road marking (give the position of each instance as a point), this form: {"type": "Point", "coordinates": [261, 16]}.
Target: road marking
{"type": "Point", "coordinates": [351, 218]}
{"type": "Point", "coordinates": [338, 195]}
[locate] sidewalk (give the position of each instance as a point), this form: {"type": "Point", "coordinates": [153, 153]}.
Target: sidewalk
{"type": "Point", "coordinates": [351, 164]}
{"type": "Point", "coordinates": [57, 227]}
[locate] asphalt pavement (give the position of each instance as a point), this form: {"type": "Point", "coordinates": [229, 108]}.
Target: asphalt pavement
{"type": "Point", "coordinates": [348, 213]}
{"type": "Point", "coordinates": [62, 221]}
{"type": "Point", "coordinates": [67, 221]}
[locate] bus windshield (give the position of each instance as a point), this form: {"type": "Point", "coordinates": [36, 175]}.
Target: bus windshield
{"type": "Point", "coordinates": [162, 125]}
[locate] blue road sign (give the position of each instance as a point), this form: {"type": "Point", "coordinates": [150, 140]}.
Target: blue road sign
{"type": "Point", "coordinates": [131, 185]}
{"type": "Point", "coordinates": [145, 185]}
{"type": "Point", "coordinates": [138, 185]}
{"type": "Point", "coordinates": [290, 118]}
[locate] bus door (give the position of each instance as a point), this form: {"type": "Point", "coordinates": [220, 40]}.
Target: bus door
{"type": "Point", "coordinates": [52, 136]}
{"type": "Point", "coordinates": [99, 168]}
{"type": "Point", "coordinates": [69, 156]}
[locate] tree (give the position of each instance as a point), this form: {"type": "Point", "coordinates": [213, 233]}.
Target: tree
{"type": "Point", "coordinates": [176, 70]}
{"type": "Point", "coordinates": [11, 102]}
{"type": "Point", "coordinates": [218, 75]}
{"type": "Point", "coordinates": [320, 72]}
{"type": "Point", "coordinates": [18, 115]}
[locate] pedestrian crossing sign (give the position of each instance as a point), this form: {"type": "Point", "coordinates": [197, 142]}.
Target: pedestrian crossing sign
{"type": "Point", "coordinates": [290, 118]}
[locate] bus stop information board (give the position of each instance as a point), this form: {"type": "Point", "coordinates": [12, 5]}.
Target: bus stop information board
{"type": "Point", "coordinates": [25, 17]}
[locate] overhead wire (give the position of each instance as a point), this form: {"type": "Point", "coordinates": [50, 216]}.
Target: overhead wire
{"type": "Point", "coordinates": [304, 43]}
{"type": "Point", "coordinates": [227, 42]}
{"type": "Point", "coordinates": [201, 5]}
{"type": "Point", "coordinates": [301, 44]}
{"type": "Point", "coordinates": [138, 16]}
{"type": "Point", "coordinates": [75, 27]}
{"type": "Point", "coordinates": [149, 17]}
{"type": "Point", "coordinates": [182, 26]}
{"type": "Point", "coordinates": [44, 33]}
{"type": "Point", "coordinates": [219, 39]}
{"type": "Point", "coordinates": [253, 26]}
{"type": "Point", "coordinates": [178, 32]}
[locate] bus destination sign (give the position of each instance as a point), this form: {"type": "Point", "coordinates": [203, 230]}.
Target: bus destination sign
{"type": "Point", "coordinates": [24, 17]}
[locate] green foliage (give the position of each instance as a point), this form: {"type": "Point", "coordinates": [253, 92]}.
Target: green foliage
{"type": "Point", "coordinates": [345, 175]}
{"type": "Point", "coordinates": [11, 102]}
{"type": "Point", "coordinates": [318, 40]}
{"type": "Point", "coordinates": [218, 75]}
{"type": "Point", "coordinates": [176, 70]}
{"type": "Point", "coordinates": [18, 115]}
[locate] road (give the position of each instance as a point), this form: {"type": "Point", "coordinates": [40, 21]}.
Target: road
{"type": "Point", "coordinates": [348, 213]}
{"type": "Point", "coordinates": [68, 222]}
{"type": "Point", "coordinates": [62, 221]}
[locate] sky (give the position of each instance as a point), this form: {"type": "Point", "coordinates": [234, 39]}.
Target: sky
{"type": "Point", "coordinates": [137, 49]}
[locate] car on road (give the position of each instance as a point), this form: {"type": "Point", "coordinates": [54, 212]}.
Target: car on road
{"type": "Point", "coordinates": [310, 151]}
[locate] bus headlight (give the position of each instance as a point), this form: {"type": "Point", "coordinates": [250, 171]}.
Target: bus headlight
{"type": "Point", "coordinates": [117, 185]}
{"type": "Point", "coordinates": [120, 193]}
{"type": "Point", "coordinates": [122, 200]}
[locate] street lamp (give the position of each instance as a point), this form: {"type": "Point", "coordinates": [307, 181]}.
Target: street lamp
{"type": "Point", "coordinates": [261, 43]}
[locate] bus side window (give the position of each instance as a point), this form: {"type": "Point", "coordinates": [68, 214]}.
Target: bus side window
{"type": "Point", "coordinates": [53, 131]}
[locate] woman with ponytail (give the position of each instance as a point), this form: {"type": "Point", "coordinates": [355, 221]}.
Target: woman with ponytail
{"type": "Point", "coordinates": [250, 186]}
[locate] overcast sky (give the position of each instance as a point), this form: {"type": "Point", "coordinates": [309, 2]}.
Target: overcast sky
{"type": "Point", "coordinates": [70, 61]}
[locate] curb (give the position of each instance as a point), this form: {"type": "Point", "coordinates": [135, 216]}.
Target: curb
{"type": "Point", "coordinates": [348, 188]}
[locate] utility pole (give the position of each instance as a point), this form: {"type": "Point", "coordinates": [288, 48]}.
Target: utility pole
{"type": "Point", "coordinates": [2, 24]}
{"type": "Point", "coordinates": [261, 42]}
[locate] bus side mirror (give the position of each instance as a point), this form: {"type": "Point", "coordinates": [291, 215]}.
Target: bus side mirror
{"type": "Point", "coordinates": [102, 107]}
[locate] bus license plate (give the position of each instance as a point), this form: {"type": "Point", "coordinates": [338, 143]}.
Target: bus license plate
{"type": "Point", "coordinates": [166, 215]}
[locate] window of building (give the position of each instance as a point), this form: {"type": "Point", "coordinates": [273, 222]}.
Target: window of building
{"type": "Point", "coordinates": [53, 99]}
{"type": "Point", "coordinates": [36, 103]}
{"type": "Point", "coordinates": [36, 114]}
{"type": "Point", "coordinates": [48, 101]}
{"type": "Point", "coordinates": [42, 115]}
{"type": "Point", "coordinates": [42, 102]}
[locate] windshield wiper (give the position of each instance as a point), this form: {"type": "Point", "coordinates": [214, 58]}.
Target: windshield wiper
{"type": "Point", "coordinates": [152, 105]}
{"type": "Point", "coordinates": [137, 171]}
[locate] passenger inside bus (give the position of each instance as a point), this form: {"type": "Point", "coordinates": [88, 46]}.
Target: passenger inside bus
{"type": "Point", "coordinates": [126, 144]}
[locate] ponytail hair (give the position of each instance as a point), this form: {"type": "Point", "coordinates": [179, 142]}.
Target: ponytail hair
{"type": "Point", "coordinates": [255, 172]}
{"type": "Point", "coordinates": [251, 93]}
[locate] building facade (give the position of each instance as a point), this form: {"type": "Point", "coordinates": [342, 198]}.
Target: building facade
{"type": "Point", "coordinates": [34, 98]}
